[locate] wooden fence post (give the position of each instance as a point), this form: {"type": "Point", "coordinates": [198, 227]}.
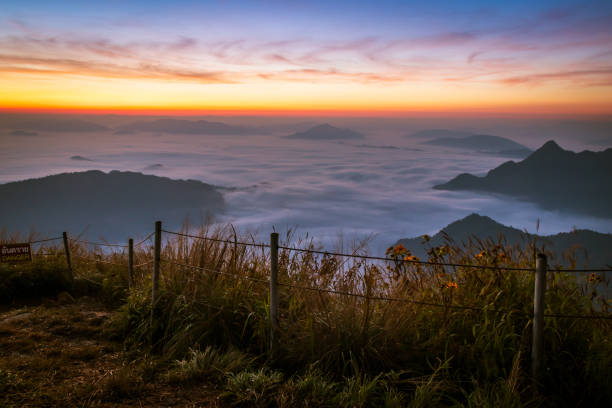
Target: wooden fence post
{"type": "Point", "coordinates": [155, 283]}
{"type": "Point", "coordinates": [538, 317]}
{"type": "Point", "coordinates": [67, 251]}
{"type": "Point", "coordinates": [130, 263]}
{"type": "Point", "coordinates": [273, 292]}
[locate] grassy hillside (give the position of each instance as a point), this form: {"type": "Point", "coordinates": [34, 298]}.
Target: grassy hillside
{"type": "Point", "coordinates": [336, 349]}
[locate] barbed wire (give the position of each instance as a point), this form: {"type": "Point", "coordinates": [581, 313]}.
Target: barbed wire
{"type": "Point", "coordinates": [216, 271]}
{"type": "Point", "coordinates": [88, 260]}
{"type": "Point", "coordinates": [38, 241]}
{"type": "Point", "coordinates": [377, 258]}
{"type": "Point", "coordinates": [97, 243]}
{"type": "Point", "coordinates": [580, 270]}
{"type": "Point", "coordinates": [226, 241]}
{"type": "Point", "coordinates": [402, 260]}
{"type": "Point", "coordinates": [403, 300]}
{"type": "Point", "coordinates": [142, 241]}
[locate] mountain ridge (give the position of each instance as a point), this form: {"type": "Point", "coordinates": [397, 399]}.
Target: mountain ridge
{"type": "Point", "coordinates": [326, 132]}
{"type": "Point", "coordinates": [113, 205]}
{"type": "Point", "coordinates": [483, 227]}
{"type": "Point", "coordinates": [551, 177]}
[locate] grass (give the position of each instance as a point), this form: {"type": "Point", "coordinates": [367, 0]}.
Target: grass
{"type": "Point", "coordinates": [339, 350]}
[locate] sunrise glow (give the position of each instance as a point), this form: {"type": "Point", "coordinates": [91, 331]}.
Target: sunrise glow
{"type": "Point", "coordinates": [278, 58]}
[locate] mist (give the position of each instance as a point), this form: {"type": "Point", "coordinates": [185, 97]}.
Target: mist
{"type": "Point", "coordinates": [378, 188]}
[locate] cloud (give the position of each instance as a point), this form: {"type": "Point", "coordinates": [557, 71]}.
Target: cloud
{"type": "Point", "coordinates": [58, 66]}
{"type": "Point", "coordinates": [591, 77]}
{"type": "Point", "coordinates": [309, 74]}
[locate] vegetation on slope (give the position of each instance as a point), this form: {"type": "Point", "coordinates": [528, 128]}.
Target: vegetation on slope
{"type": "Point", "coordinates": [341, 350]}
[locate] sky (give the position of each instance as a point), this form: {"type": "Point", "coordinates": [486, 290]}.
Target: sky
{"type": "Point", "coordinates": [276, 57]}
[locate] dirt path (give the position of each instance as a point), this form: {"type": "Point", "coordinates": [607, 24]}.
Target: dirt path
{"type": "Point", "coordinates": [57, 356]}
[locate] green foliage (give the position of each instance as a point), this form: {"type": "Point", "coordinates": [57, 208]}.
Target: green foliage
{"type": "Point", "coordinates": [339, 350]}
{"type": "Point", "coordinates": [33, 280]}
{"type": "Point", "coordinates": [210, 364]}
{"type": "Point", "coordinates": [253, 388]}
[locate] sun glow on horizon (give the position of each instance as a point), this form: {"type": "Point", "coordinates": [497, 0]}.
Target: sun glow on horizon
{"type": "Point", "coordinates": [523, 60]}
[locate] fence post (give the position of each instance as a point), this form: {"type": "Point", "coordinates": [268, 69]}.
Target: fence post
{"type": "Point", "coordinates": [67, 251]}
{"type": "Point", "coordinates": [155, 283]}
{"type": "Point", "coordinates": [273, 292]}
{"type": "Point", "coordinates": [130, 263]}
{"type": "Point", "coordinates": [538, 317]}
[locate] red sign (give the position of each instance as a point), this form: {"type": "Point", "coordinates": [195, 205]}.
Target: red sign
{"type": "Point", "coordinates": [14, 253]}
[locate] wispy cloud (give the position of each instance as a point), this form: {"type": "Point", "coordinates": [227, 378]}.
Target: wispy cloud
{"type": "Point", "coordinates": [587, 77]}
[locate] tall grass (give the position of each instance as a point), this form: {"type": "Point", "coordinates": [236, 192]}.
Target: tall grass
{"type": "Point", "coordinates": [361, 350]}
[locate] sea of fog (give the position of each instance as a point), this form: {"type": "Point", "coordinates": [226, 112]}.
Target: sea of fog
{"type": "Point", "coordinates": [379, 188]}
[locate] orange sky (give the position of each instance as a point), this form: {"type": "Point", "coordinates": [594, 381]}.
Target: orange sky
{"type": "Point", "coordinates": [337, 60]}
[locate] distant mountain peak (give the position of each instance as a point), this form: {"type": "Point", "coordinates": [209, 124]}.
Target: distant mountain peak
{"type": "Point", "coordinates": [326, 132]}
{"type": "Point", "coordinates": [550, 146]}
{"type": "Point", "coordinates": [552, 177]}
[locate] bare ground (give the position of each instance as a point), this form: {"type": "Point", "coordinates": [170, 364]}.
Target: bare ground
{"type": "Point", "coordinates": [56, 355]}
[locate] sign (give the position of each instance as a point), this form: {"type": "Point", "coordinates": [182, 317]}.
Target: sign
{"type": "Point", "coordinates": [14, 253]}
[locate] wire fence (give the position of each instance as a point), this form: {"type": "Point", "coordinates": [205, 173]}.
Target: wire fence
{"type": "Point", "coordinates": [393, 260]}
{"type": "Point", "coordinates": [486, 308]}
{"type": "Point", "coordinates": [378, 258]}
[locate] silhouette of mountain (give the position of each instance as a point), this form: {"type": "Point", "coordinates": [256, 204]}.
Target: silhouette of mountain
{"type": "Point", "coordinates": [181, 126]}
{"type": "Point", "coordinates": [326, 132]}
{"type": "Point", "coordinates": [80, 158]}
{"type": "Point", "coordinates": [481, 227]}
{"type": "Point", "coordinates": [22, 133]}
{"type": "Point", "coordinates": [438, 133]}
{"type": "Point", "coordinates": [483, 144]}
{"type": "Point", "coordinates": [60, 125]}
{"type": "Point", "coordinates": [112, 205]}
{"type": "Point", "coordinates": [552, 178]}
{"type": "Point", "coordinates": [156, 166]}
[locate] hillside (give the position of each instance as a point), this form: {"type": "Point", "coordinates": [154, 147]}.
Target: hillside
{"type": "Point", "coordinates": [438, 133]}
{"type": "Point", "coordinates": [181, 126]}
{"type": "Point", "coordinates": [114, 205]}
{"type": "Point", "coordinates": [483, 144]}
{"type": "Point", "coordinates": [482, 227]}
{"type": "Point", "coordinates": [326, 132]}
{"type": "Point", "coordinates": [551, 177]}
{"type": "Point", "coordinates": [52, 124]}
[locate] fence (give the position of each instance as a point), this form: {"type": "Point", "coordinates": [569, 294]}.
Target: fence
{"type": "Point", "coordinates": [540, 270]}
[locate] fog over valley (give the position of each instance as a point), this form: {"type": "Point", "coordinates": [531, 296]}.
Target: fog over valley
{"type": "Point", "coordinates": [378, 186]}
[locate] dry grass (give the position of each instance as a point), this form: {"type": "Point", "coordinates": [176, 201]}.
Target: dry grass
{"type": "Point", "coordinates": [334, 349]}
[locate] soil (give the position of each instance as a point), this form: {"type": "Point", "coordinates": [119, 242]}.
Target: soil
{"type": "Point", "coordinates": [57, 355]}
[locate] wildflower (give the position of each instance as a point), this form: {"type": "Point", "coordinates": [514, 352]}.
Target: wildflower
{"type": "Point", "coordinates": [452, 285]}
{"type": "Point", "coordinates": [411, 258]}
{"type": "Point", "coordinates": [480, 255]}
{"type": "Point", "coordinates": [593, 277]}
{"type": "Point", "coordinates": [399, 248]}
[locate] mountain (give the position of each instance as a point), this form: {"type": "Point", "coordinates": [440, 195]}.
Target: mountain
{"type": "Point", "coordinates": [438, 133]}
{"type": "Point", "coordinates": [181, 126]}
{"type": "Point", "coordinates": [598, 245]}
{"type": "Point", "coordinates": [22, 133]}
{"type": "Point", "coordinates": [80, 158]}
{"type": "Point", "coordinates": [112, 205]}
{"type": "Point", "coordinates": [551, 177]}
{"type": "Point", "coordinates": [59, 125]}
{"type": "Point", "coordinates": [326, 132]}
{"type": "Point", "coordinates": [483, 144]}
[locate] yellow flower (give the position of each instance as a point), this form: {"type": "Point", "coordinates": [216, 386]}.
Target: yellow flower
{"type": "Point", "coordinates": [411, 258]}
{"type": "Point", "coordinates": [452, 285]}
